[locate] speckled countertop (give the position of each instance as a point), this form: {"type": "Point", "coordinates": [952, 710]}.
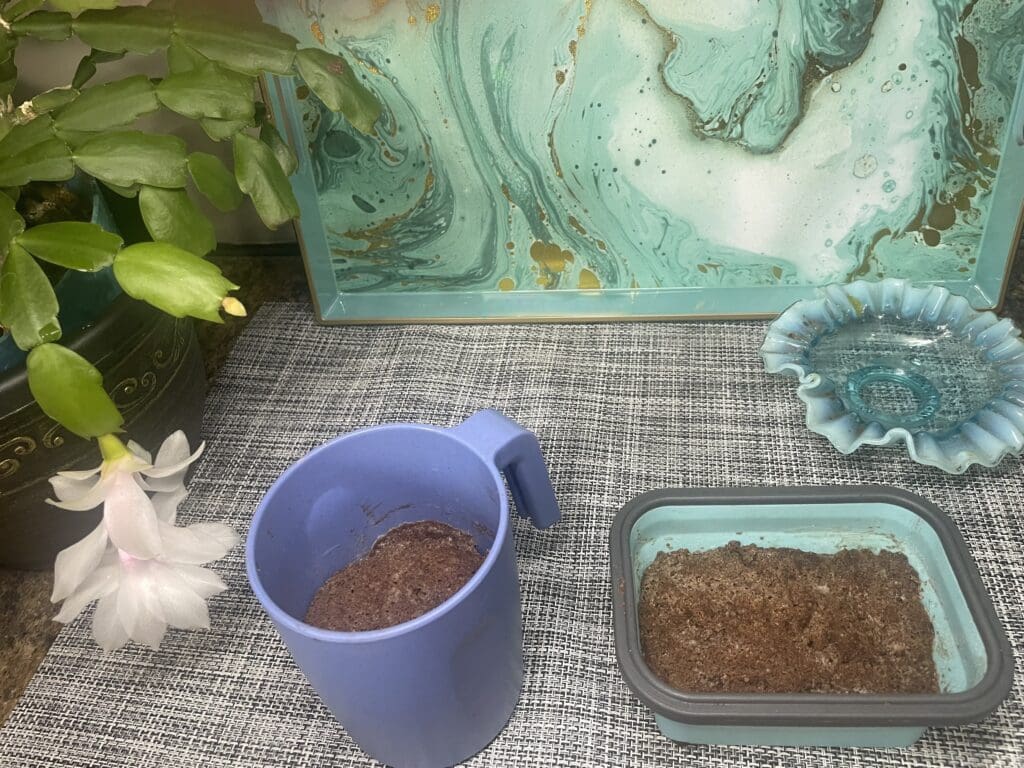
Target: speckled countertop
{"type": "Point", "coordinates": [26, 630]}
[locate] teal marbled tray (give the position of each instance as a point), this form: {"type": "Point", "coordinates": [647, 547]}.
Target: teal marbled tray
{"type": "Point", "coordinates": [594, 159]}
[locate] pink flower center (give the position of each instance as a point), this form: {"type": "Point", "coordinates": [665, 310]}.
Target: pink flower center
{"type": "Point", "coordinates": [126, 560]}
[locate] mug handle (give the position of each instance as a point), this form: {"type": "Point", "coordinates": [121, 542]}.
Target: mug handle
{"type": "Point", "coordinates": [516, 452]}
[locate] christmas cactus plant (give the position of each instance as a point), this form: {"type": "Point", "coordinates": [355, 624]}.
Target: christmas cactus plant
{"type": "Point", "coordinates": [142, 567]}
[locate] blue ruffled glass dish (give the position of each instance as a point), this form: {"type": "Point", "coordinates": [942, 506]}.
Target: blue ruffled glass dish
{"type": "Point", "coordinates": [889, 362]}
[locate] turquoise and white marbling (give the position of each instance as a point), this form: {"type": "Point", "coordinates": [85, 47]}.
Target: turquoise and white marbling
{"type": "Point", "coordinates": [639, 144]}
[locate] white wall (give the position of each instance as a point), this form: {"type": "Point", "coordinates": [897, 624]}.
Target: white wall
{"type": "Point", "coordinates": [43, 65]}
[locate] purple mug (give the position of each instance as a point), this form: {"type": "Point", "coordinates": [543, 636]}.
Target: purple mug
{"type": "Point", "coordinates": [435, 690]}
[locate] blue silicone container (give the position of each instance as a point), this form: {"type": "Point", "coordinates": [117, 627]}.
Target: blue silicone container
{"type": "Point", "coordinates": [972, 654]}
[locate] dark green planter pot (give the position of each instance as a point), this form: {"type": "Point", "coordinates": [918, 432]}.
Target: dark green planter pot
{"type": "Point", "coordinates": [153, 369]}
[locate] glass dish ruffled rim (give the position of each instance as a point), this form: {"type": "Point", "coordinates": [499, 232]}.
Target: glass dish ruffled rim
{"type": "Point", "coordinates": [986, 438]}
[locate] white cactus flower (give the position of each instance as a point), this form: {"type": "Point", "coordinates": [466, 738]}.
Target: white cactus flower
{"type": "Point", "coordinates": [143, 569]}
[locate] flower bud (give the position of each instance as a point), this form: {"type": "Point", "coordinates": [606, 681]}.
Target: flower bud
{"type": "Point", "coordinates": [234, 307]}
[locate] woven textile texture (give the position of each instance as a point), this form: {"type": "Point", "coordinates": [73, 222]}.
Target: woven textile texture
{"type": "Point", "coordinates": [619, 409]}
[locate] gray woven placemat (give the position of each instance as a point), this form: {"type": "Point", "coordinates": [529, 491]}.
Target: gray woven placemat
{"type": "Point", "coordinates": [620, 409]}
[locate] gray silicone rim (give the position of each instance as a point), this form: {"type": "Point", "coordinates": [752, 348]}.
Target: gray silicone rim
{"type": "Point", "coordinates": [814, 710]}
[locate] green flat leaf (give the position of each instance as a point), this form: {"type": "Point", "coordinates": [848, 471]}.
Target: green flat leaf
{"type": "Point", "coordinates": [215, 181]}
{"type": "Point", "coordinates": [28, 305]}
{"type": "Point", "coordinates": [8, 44]}
{"type": "Point", "coordinates": [182, 58]}
{"type": "Point", "coordinates": [109, 106]}
{"type": "Point", "coordinates": [47, 161]}
{"type": "Point", "coordinates": [26, 135]}
{"type": "Point", "coordinates": [33, 152]}
{"type": "Point", "coordinates": [77, 6]}
{"type": "Point", "coordinates": [70, 391]}
{"type": "Point", "coordinates": [47, 101]}
{"type": "Point", "coordinates": [87, 66]}
{"type": "Point", "coordinates": [284, 153]}
{"type": "Point", "coordinates": [171, 216]}
{"type": "Point", "coordinates": [8, 77]}
{"type": "Point", "coordinates": [131, 191]}
{"type": "Point", "coordinates": [333, 80]}
{"type": "Point", "coordinates": [20, 8]}
{"type": "Point", "coordinates": [72, 244]}
{"type": "Point", "coordinates": [11, 223]}
{"type": "Point", "coordinates": [222, 130]}
{"type": "Point", "coordinates": [173, 280]}
{"type": "Point", "coordinates": [208, 90]}
{"type": "Point", "coordinates": [124, 158]}
{"type": "Point", "coordinates": [75, 139]}
{"type": "Point", "coordinates": [247, 47]}
{"type": "Point", "coordinates": [259, 175]}
{"type": "Point", "coordinates": [133, 28]}
{"type": "Point", "coordinates": [45, 25]}
{"type": "Point", "coordinates": [84, 72]}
